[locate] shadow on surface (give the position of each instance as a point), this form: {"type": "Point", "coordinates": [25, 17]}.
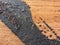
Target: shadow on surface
{"type": "Point", "coordinates": [22, 27]}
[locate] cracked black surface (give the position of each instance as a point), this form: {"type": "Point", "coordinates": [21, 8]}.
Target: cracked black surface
{"type": "Point", "coordinates": [23, 23]}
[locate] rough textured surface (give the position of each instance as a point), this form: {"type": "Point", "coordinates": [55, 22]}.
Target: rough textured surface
{"type": "Point", "coordinates": [7, 37]}
{"type": "Point", "coordinates": [18, 18]}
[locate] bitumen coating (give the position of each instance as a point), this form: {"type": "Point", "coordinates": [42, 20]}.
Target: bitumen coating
{"type": "Point", "coordinates": [17, 17]}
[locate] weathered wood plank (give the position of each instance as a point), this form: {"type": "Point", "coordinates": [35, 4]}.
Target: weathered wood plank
{"type": "Point", "coordinates": [49, 11]}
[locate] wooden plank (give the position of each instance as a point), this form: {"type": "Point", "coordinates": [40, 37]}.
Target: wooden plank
{"type": "Point", "coordinates": [49, 11]}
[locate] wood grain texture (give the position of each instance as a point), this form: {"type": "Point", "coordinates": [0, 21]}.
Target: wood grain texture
{"type": "Point", "coordinates": [7, 37]}
{"type": "Point", "coordinates": [49, 11]}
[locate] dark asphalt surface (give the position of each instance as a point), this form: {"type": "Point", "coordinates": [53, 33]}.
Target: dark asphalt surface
{"type": "Point", "coordinates": [17, 16]}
